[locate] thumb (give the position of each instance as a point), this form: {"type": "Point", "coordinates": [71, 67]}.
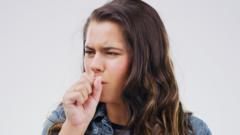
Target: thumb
{"type": "Point", "coordinates": [97, 88]}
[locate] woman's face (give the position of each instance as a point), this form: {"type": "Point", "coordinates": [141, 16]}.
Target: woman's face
{"type": "Point", "coordinates": [106, 55]}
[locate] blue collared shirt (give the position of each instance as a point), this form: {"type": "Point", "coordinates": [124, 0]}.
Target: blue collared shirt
{"type": "Point", "coordinates": [100, 124]}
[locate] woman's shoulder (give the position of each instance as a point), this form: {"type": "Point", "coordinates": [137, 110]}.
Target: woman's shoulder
{"type": "Point", "coordinates": [57, 116]}
{"type": "Point", "coordinates": [199, 126]}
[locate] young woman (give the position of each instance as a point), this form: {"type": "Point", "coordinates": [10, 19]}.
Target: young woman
{"type": "Point", "coordinates": [128, 85]}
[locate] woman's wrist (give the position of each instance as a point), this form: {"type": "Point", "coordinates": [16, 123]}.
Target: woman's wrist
{"type": "Point", "coordinates": [70, 129]}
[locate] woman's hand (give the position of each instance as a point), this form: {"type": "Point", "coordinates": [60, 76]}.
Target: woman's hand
{"type": "Point", "coordinates": [80, 103]}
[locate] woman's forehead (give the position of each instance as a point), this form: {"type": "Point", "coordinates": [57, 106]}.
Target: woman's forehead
{"type": "Point", "coordinates": [106, 34]}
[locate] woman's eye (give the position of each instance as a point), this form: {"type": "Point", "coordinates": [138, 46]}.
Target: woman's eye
{"type": "Point", "coordinates": [89, 52]}
{"type": "Point", "coordinates": [112, 53]}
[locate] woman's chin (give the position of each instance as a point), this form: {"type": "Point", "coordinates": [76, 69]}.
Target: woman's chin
{"type": "Point", "coordinates": [104, 100]}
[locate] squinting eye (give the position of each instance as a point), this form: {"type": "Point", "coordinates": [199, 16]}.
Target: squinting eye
{"type": "Point", "coordinates": [89, 52]}
{"type": "Point", "coordinates": [112, 53]}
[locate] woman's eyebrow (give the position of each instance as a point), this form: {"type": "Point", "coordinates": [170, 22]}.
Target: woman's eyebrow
{"type": "Point", "coordinates": [105, 48]}
{"type": "Point", "coordinates": [88, 47]}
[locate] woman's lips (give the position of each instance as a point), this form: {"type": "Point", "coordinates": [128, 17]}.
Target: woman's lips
{"type": "Point", "coordinates": [104, 82]}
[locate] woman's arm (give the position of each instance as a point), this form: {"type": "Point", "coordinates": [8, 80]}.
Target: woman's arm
{"type": "Point", "coordinates": [69, 129]}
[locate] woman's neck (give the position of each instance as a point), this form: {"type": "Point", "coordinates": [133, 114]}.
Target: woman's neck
{"type": "Point", "coordinates": [117, 113]}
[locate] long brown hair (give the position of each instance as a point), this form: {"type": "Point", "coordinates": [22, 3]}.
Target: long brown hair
{"type": "Point", "coordinates": [151, 93]}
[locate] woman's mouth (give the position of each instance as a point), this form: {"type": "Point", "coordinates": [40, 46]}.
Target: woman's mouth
{"type": "Point", "coordinates": [104, 82]}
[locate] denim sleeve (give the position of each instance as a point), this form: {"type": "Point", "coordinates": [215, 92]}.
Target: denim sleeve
{"type": "Point", "coordinates": [199, 126]}
{"type": "Point", "coordinates": [57, 116]}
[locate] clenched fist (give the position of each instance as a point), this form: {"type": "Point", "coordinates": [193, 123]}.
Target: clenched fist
{"type": "Point", "coordinates": [80, 103]}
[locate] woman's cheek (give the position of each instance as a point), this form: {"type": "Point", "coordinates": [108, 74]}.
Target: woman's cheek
{"type": "Point", "coordinates": [118, 68]}
{"type": "Point", "coordinates": [86, 65]}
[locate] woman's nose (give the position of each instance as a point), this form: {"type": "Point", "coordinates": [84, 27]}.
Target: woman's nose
{"type": "Point", "coordinates": [97, 64]}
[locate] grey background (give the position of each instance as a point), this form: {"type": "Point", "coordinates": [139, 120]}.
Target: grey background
{"type": "Point", "coordinates": [40, 55]}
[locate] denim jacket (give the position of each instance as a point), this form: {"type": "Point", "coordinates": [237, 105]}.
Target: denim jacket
{"type": "Point", "coordinates": [100, 124]}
